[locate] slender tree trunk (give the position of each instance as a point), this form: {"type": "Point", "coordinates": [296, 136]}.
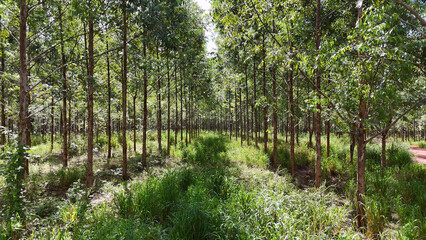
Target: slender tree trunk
{"type": "Point", "coordinates": [230, 114]}
{"type": "Point", "coordinates": [291, 108]}
{"type": "Point", "coordinates": [236, 114]}
{"type": "Point", "coordinates": [361, 133]}
{"type": "Point", "coordinates": [241, 118]}
{"type": "Point", "coordinates": [318, 113]}
{"type": "Point", "coordinates": [327, 130]}
{"type": "Point", "coordinates": [186, 117]}
{"type": "Point", "coordinates": [109, 103]}
{"type": "Point", "coordinates": [145, 106]}
{"type": "Point", "coordinates": [254, 103]}
{"type": "Point", "coordinates": [311, 128]}
{"type": "Point", "coordinates": [265, 107]}
{"type": "Point", "coordinates": [181, 106]}
{"type": "Point", "coordinates": [64, 95]}
{"type": "Point", "coordinates": [247, 108]}
{"type": "Point", "coordinates": [168, 108]}
{"type": "Point", "coordinates": [24, 88]}
{"type": "Point", "coordinates": [176, 106]}
{"type": "Point", "coordinates": [275, 120]}
{"type": "Point", "coordinates": [3, 97]}
{"type": "Point", "coordinates": [124, 92]}
{"type": "Point", "coordinates": [69, 120]}
{"type": "Point", "coordinates": [52, 123]}
{"type": "Point", "coordinates": [159, 110]}
{"type": "Point", "coordinates": [89, 179]}
{"type": "Point", "coordinates": [134, 122]}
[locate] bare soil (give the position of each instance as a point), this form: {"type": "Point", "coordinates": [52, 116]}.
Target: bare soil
{"type": "Point", "coordinates": [419, 154]}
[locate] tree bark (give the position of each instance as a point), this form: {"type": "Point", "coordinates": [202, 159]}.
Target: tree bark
{"type": "Point", "coordinates": [176, 106]}
{"type": "Point", "coordinates": [247, 108]}
{"type": "Point", "coordinates": [318, 113]}
{"type": "Point", "coordinates": [89, 179]}
{"type": "Point", "coordinates": [291, 103]}
{"type": "Point", "coordinates": [327, 132]}
{"type": "Point", "coordinates": [24, 88]}
{"type": "Point", "coordinates": [52, 124]}
{"type": "Point", "coordinates": [3, 98]}
{"type": "Point", "coordinates": [230, 113]}
{"type": "Point", "coordinates": [109, 103]}
{"type": "Point", "coordinates": [145, 106]}
{"type": "Point", "coordinates": [275, 120]}
{"type": "Point", "coordinates": [134, 122]}
{"type": "Point", "coordinates": [362, 114]}
{"type": "Point", "coordinates": [124, 93]}
{"type": "Point", "coordinates": [241, 123]}
{"type": "Point", "coordinates": [236, 114]}
{"type": "Point", "coordinates": [168, 108]}
{"type": "Point", "coordinates": [159, 110]}
{"type": "Point", "coordinates": [181, 106]}
{"type": "Point", "coordinates": [254, 103]}
{"type": "Point", "coordinates": [265, 107]}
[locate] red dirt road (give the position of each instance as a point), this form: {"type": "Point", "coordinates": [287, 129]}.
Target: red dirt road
{"type": "Point", "coordinates": [419, 154]}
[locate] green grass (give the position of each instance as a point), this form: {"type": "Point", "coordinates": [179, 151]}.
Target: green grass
{"type": "Point", "coordinates": [217, 189]}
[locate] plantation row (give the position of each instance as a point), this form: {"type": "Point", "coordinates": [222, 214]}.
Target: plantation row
{"type": "Point", "coordinates": [81, 80]}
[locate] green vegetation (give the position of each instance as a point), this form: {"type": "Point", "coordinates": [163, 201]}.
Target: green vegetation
{"type": "Point", "coordinates": [215, 188]}
{"type": "Point", "coordinates": [212, 119]}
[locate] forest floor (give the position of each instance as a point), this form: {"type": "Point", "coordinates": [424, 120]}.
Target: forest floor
{"type": "Point", "coordinates": [419, 154]}
{"type": "Point", "coordinates": [215, 188]}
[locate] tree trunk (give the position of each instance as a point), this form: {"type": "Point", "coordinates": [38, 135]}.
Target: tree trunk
{"type": "Point", "coordinates": [24, 88]}
{"type": "Point", "coordinates": [236, 114]}
{"type": "Point", "coordinates": [318, 113]}
{"type": "Point", "coordinates": [327, 132]}
{"type": "Point", "coordinates": [145, 106]}
{"type": "Point", "coordinates": [168, 108]}
{"type": "Point", "coordinates": [230, 114]}
{"type": "Point", "coordinates": [265, 107]}
{"type": "Point", "coordinates": [64, 95]}
{"type": "Point", "coordinates": [360, 206]}
{"type": "Point", "coordinates": [109, 103]}
{"type": "Point", "coordinates": [241, 117]}
{"type": "Point", "coordinates": [254, 103]}
{"type": "Point", "coordinates": [275, 119]}
{"type": "Point", "coordinates": [159, 111]}
{"type": "Point", "coordinates": [247, 108]}
{"type": "Point", "coordinates": [89, 179]}
{"type": "Point", "coordinates": [69, 120]}
{"type": "Point", "coordinates": [3, 98]}
{"type": "Point", "coordinates": [181, 106]}
{"type": "Point", "coordinates": [124, 92]}
{"type": "Point", "coordinates": [134, 123]}
{"type": "Point", "coordinates": [176, 106]}
{"type": "Point", "coordinates": [291, 103]}
{"type": "Point", "coordinates": [186, 117]}
{"type": "Point", "coordinates": [52, 124]}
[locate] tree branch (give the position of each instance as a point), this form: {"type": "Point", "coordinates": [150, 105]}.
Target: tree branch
{"type": "Point", "coordinates": [412, 11]}
{"type": "Point", "coordinates": [421, 100]}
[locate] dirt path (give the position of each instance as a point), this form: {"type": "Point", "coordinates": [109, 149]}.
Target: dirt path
{"type": "Point", "coordinates": [419, 154]}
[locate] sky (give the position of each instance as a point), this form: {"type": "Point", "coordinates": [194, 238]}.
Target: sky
{"type": "Point", "coordinates": [210, 33]}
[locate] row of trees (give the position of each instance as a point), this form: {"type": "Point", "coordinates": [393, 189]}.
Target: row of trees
{"type": "Point", "coordinates": [77, 53]}
{"type": "Point", "coordinates": [335, 65]}
{"type": "Point", "coordinates": [102, 66]}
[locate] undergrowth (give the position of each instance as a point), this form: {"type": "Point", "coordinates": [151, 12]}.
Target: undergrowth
{"type": "Point", "coordinates": [217, 189]}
